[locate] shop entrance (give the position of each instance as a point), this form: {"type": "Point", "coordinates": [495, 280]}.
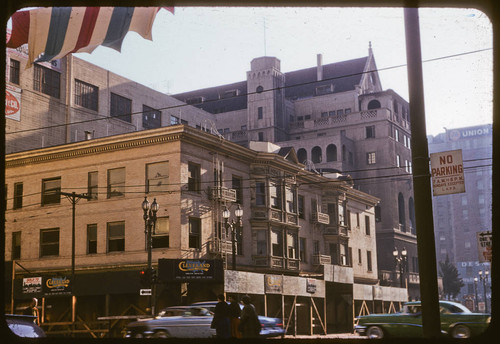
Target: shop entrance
{"type": "Point", "coordinates": [339, 307]}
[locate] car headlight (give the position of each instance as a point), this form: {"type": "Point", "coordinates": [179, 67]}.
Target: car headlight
{"type": "Point", "coordinates": [488, 320]}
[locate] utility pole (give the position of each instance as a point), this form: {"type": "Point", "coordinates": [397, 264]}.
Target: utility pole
{"type": "Point", "coordinates": [421, 180]}
{"type": "Point", "coordinates": [73, 197]}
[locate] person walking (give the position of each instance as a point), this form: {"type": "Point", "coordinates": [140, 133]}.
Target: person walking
{"type": "Point", "coordinates": [249, 321]}
{"type": "Point", "coordinates": [234, 316]}
{"type": "Point", "coordinates": [221, 318]}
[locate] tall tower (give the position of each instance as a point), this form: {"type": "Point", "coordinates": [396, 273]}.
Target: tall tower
{"type": "Point", "coordinates": [266, 100]}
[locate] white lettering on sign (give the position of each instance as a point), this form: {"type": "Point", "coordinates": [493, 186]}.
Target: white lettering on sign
{"type": "Point", "coordinates": [447, 173]}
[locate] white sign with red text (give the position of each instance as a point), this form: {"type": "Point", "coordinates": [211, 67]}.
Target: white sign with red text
{"type": "Point", "coordinates": [447, 173]}
{"type": "Point", "coordinates": [12, 102]}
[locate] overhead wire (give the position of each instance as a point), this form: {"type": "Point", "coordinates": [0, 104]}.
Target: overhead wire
{"type": "Point", "coordinates": [170, 107]}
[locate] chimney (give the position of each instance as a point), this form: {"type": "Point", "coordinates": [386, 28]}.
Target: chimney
{"type": "Point", "coordinates": [319, 68]}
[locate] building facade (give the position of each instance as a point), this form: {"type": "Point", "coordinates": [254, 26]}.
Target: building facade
{"type": "Point", "coordinates": [459, 217]}
{"type": "Point", "coordinates": [289, 253]}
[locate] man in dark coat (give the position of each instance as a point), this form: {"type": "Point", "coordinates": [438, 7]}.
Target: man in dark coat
{"type": "Point", "coordinates": [234, 316]}
{"type": "Point", "coordinates": [221, 318]}
{"type": "Point", "coordinates": [249, 321]}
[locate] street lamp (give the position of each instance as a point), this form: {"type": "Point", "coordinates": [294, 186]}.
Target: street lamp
{"type": "Point", "coordinates": [239, 214]}
{"type": "Point", "coordinates": [475, 292]}
{"type": "Point", "coordinates": [400, 260]}
{"type": "Point", "coordinates": [484, 279]}
{"type": "Point", "coordinates": [150, 210]}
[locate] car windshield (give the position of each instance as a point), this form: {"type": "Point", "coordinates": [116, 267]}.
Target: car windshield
{"type": "Point", "coordinates": [411, 309]}
{"type": "Point", "coordinates": [197, 312]}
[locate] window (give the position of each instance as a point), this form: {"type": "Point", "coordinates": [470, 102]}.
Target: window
{"type": "Point", "coordinates": [370, 131]}
{"type": "Point", "coordinates": [291, 242]}
{"type": "Point", "coordinates": [316, 155]}
{"type": "Point", "coordinates": [261, 136]}
{"type": "Point", "coordinates": [302, 155]}
{"type": "Point", "coordinates": [194, 233]}
{"type": "Point", "coordinates": [302, 209]}
{"type": "Point", "coordinates": [291, 198]}
{"type": "Point", "coordinates": [324, 89]}
{"type": "Point", "coordinates": [260, 112]}
{"type": "Point", "coordinates": [371, 158]}
{"type": "Point", "coordinates": [14, 71]}
{"type": "Point", "coordinates": [369, 260]}
{"type": "Point", "coordinates": [18, 195]}
{"type": "Point", "coordinates": [277, 242]}
{"type": "Point", "coordinates": [50, 191]}
{"type": "Point", "coordinates": [16, 245]}
{"type": "Point", "coordinates": [49, 242]}
{"type": "Point", "coordinates": [260, 193]}
{"type": "Point", "coordinates": [92, 238]}
{"type": "Point", "coordinates": [174, 120]}
{"type": "Point", "coordinates": [261, 242]}
{"type": "Point", "coordinates": [157, 177]}
{"type": "Point", "coordinates": [324, 114]}
{"type": "Point", "coordinates": [151, 118]}
{"type": "Point", "coordinates": [237, 184]}
{"type": "Point", "coordinates": [92, 185]}
{"type": "Point", "coordinates": [378, 213]}
{"type": "Point", "coordinates": [121, 108]}
{"type": "Point", "coordinates": [116, 182]}
{"type": "Point", "coordinates": [367, 225]}
{"type": "Point", "coordinates": [47, 81]}
{"type": "Point", "coordinates": [331, 153]}
{"type": "Point", "coordinates": [347, 111]}
{"type": "Point", "coordinates": [374, 104]}
{"type": "Point", "coordinates": [86, 95]}
{"type": "Point", "coordinates": [316, 247]}
{"type": "Point", "coordinates": [259, 89]}
{"type": "Point", "coordinates": [302, 250]}
{"type": "Point", "coordinates": [275, 193]}
{"type": "Point", "coordinates": [396, 134]}
{"type": "Point", "coordinates": [360, 259]}
{"type": "Point", "coordinates": [116, 236]}
{"type": "Point", "coordinates": [398, 160]}
{"type": "Point", "coordinates": [340, 112]}
{"type": "Point", "coordinates": [194, 177]}
{"type": "Point", "coordinates": [162, 231]}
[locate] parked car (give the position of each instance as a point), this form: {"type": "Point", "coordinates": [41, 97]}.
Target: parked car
{"type": "Point", "coordinates": [193, 323]}
{"type": "Point", "coordinates": [24, 326]}
{"type": "Point", "coordinates": [457, 321]}
{"type": "Point", "coordinates": [271, 327]}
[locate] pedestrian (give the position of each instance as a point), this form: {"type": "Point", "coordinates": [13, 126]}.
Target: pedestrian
{"type": "Point", "coordinates": [221, 318]}
{"type": "Point", "coordinates": [234, 316]}
{"type": "Point", "coordinates": [249, 321]}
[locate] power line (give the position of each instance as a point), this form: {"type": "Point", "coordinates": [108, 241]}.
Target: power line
{"type": "Point", "coordinates": [102, 117]}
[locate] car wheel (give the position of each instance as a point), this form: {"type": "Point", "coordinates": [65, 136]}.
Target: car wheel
{"type": "Point", "coordinates": [161, 334]}
{"type": "Point", "coordinates": [460, 331]}
{"type": "Point", "coordinates": [375, 332]}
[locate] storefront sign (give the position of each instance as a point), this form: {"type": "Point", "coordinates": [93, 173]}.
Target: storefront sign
{"type": "Point", "coordinates": [273, 284]}
{"type": "Point", "coordinates": [58, 285]}
{"type": "Point", "coordinates": [190, 270]}
{"type": "Point", "coordinates": [447, 173]}
{"type": "Point", "coordinates": [484, 245]}
{"type": "Point", "coordinates": [32, 285]}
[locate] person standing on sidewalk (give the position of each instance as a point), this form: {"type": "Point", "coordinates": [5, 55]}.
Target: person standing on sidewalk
{"type": "Point", "coordinates": [221, 318]}
{"type": "Point", "coordinates": [234, 316]}
{"type": "Point", "coordinates": [249, 321]}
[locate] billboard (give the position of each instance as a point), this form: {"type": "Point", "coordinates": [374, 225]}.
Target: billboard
{"type": "Point", "coordinates": [190, 270]}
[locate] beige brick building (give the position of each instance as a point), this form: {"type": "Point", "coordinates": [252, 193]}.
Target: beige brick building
{"type": "Point", "coordinates": [312, 236]}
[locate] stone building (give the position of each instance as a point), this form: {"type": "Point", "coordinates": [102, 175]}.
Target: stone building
{"type": "Point", "coordinates": [459, 217]}
{"type": "Point", "coordinates": [307, 243]}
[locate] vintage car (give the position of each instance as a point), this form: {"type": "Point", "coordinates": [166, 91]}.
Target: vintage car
{"type": "Point", "coordinates": [194, 322]}
{"type": "Point", "coordinates": [457, 321]}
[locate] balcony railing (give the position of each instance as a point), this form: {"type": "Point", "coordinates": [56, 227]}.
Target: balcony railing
{"type": "Point", "coordinates": [320, 259]}
{"type": "Point", "coordinates": [222, 193]}
{"type": "Point", "coordinates": [321, 218]}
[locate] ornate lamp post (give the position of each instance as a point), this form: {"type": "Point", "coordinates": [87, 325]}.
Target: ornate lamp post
{"type": "Point", "coordinates": [233, 225]}
{"type": "Point", "coordinates": [484, 278]}
{"type": "Point", "coordinates": [401, 260]}
{"type": "Point", "coordinates": [150, 210]}
{"type": "Point", "coordinates": [476, 308]}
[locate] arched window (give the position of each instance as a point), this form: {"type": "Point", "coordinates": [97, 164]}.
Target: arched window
{"type": "Point", "coordinates": [401, 210]}
{"type": "Point", "coordinates": [259, 89]}
{"type": "Point", "coordinates": [302, 155]}
{"type": "Point", "coordinates": [331, 153]}
{"type": "Point", "coordinates": [374, 104]}
{"type": "Point", "coordinates": [316, 155]}
{"type": "Point", "coordinates": [411, 211]}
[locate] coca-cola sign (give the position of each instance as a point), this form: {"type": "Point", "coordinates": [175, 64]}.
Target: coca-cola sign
{"type": "Point", "coordinates": [13, 103]}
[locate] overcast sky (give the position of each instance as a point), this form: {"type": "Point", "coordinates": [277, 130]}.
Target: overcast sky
{"type": "Point", "coordinates": [203, 47]}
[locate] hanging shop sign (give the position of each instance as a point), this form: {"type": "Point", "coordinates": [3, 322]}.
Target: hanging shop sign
{"type": "Point", "coordinates": [12, 102]}
{"type": "Point", "coordinates": [273, 284]}
{"type": "Point", "coordinates": [447, 173]}
{"type": "Point", "coordinates": [190, 270]}
{"type": "Point", "coordinates": [310, 285]}
{"type": "Point", "coordinates": [484, 245]}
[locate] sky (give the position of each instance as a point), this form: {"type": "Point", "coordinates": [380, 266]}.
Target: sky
{"type": "Point", "coordinates": [203, 47]}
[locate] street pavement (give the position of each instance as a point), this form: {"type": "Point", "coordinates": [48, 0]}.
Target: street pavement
{"type": "Point", "coordinates": [327, 336]}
